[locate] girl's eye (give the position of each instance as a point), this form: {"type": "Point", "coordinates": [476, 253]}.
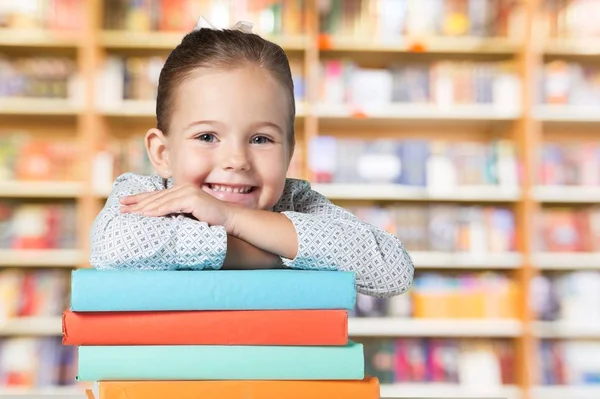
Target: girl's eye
{"type": "Point", "coordinates": [207, 137]}
{"type": "Point", "coordinates": [261, 140]}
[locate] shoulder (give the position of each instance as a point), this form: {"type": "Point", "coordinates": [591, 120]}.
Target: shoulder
{"type": "Point", "coordinates": [132, 183]}
{"type": "Point", "coordinates": [296, 194]}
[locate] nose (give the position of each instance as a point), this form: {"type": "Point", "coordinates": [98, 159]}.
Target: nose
{"type": "Point", "coordinates": [235, 158]}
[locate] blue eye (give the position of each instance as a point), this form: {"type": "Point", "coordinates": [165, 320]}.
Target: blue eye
{"type": "Point", "coordinates": [207, 137]}
{"type": "Point", "coordinates": [261, 140]}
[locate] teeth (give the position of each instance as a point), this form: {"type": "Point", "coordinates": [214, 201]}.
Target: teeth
{"type": "Point", "coordinates": [239, 190]}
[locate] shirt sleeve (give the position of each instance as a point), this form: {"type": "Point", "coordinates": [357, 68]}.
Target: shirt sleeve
{"type": "Point", "coordinates": [129, 241]}
{"type": "Point", "coordinates": [331, 238]}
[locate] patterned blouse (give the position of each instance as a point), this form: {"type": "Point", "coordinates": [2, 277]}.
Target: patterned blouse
{"type": "Point", "coordinates": [329, 238]}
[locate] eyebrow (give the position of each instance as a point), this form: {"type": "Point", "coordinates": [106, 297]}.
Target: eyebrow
{"type": "Point", "coordinates": [206, 122]}
{"type": "Point", "coordinates": [268, 124]}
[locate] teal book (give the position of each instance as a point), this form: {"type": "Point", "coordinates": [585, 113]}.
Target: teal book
{"type": "Point", "coordinates": [135, 290]}
{"type": "Point", "coordinates": [221, 362]}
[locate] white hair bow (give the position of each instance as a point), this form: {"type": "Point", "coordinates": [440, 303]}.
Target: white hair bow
{"type": "Point", "coordinates": [242, 26]}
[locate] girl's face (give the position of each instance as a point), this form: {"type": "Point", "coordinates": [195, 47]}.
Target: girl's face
{"type": "Point", "coordinates": [229, 136]}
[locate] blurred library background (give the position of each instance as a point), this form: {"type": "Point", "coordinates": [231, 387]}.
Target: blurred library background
{"type": "Point", "coordinates": [469, 128]}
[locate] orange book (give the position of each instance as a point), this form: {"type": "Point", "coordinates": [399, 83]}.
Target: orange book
{"type": "Point", "coordinates": [252, 389]}
{"type": "Point", "coordinates": [243, 327]}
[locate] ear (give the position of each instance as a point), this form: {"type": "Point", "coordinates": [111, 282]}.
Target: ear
{"type": "Point", "coordinates": [158, 152]}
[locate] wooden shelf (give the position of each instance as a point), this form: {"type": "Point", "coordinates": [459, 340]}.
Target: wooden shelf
{"type": "Point", "coordinates": [130, 108]}
{"type": "Point", "coordinates": [32, 326]}
{"type": "Point", "coordinates": [443, 390]}
{"type": "Point", "coordinates": [406, 327]}
{"type": "Point", "coordinates": [567, 194]}
{"type": "Point", "coordinates": [566, 392]}
{"type": "Point", "coordinates": [40, 189]}
{"type": "Point", "coordinates": [448, 45]}
{"type": "Point", "coordinates": [450, 260]}
{"type": "Point", "coordinates": [168, 40]}
{"type": "Point", "coordinates": [561, 329]}
{"type": "Point", "coordinates": [42, 393]}
{"type": "Point", "coordinates": [417, 112]}
{"type": "Point", "coordinates": [572, 47]}
{"type": "Point", "coordinates": [68, 258]}
{"type": "Point", "coordinates": [394, 192]}
{"type": "Point", "coordinates": [37, 106]}
{"type": "Point", "coordinates": [568, 113]}
{"type": "Point", "coordinates": [38, 38]}
{"type": "Point", "coordinates": [567, 260]}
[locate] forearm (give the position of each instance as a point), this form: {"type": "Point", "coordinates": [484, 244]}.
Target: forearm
{"type": "Point", "coordinates": [340, 241]}
{"type": "Point", "coordinates": [161, 243]}
{"type": "Point", "coordinates": [268, 231]}
{"type": "Point", "coordinates": [243, 255]}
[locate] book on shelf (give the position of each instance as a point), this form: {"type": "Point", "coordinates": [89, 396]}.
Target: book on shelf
{"type": "Point", "coordinates": [481, 295]}
{"type": "Point", "coordinates": [569, 298]}
{"type": "Point", "coordinates": [569, 363]}
{"type": "Point", "coordinates": [475, 363]}
{"type": "Point", "coordinates": [32, 293]}
{"type": "Point", "coordinates": [28, 157]}
{"type": "Point", "coordinates": [434, 164]}
{"type": "Point", "coordinates": [569, 163]}
{"type": "Point", "coordinates": [570, 18]}
{"type": "Point", "coordinates": [445, 228]}
{"type": "Point", "coordinates": [37, 225]}
{"type": "Point", "coordinates": [271, 17]}
{"type": "Point", "coordinates": [36, 363]}
{"type": "Point", "coordinates": [38, 77]}
{"type": "Point", "coordinates": [573, 83]}
{"type": "Point", "coordinates": [567, 229]}
{"type": "Point", "coordinates": [56, 15]}
{"type": "Point", "coordinates": [386, 20]}
{"type": "Point", "coordinates": [444, 84]}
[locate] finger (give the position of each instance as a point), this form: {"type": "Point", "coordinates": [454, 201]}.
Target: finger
{"type": "Point", "coordinates": [126, 208]}
{"type": "Point", "coordinates": [132, 199]}
{"type": "Point", "coordinates": [168, 205]}
{"type": "Point", "coordinates": [155, 201]}
{"type": "Point", "coordinates": [136, 198]}
{"type": "Point", "coordinates": [150, 199]}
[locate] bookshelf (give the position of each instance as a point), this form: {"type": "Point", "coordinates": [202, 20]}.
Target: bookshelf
{"type": "Point", "coordinates": [526, 121]}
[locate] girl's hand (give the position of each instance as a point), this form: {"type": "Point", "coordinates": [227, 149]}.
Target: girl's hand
{"type": "Point", "coordinates": [187, 198]}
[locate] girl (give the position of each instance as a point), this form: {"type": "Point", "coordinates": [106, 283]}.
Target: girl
{"type": "Point", "coordinates": [220, 198]}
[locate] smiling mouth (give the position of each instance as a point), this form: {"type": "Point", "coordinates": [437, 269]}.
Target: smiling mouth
{"type": "Point", "coordinates": [219, 188]}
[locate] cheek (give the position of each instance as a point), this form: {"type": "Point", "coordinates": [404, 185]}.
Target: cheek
{"type": "Point", "coordinates": [191, 165]}
{"type": "Point", "coordinates": [273, 166]}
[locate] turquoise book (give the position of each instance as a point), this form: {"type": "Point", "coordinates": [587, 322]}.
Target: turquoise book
{"type": "Point", "coordinates": [221, 362]}
{"type": "Point", "coordinates": [136, 290]}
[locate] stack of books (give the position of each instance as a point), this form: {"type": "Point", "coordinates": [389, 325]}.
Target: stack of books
{"type": "Point", "coordinates": [216, 334]}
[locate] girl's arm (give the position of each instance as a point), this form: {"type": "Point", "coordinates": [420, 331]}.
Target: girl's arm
{"type": "Point", "coordinates": [131, 241]}
{"type": "Point", "coordinates": [312, 233]}
{"type": "Point", "coordinates": [126, 240]}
